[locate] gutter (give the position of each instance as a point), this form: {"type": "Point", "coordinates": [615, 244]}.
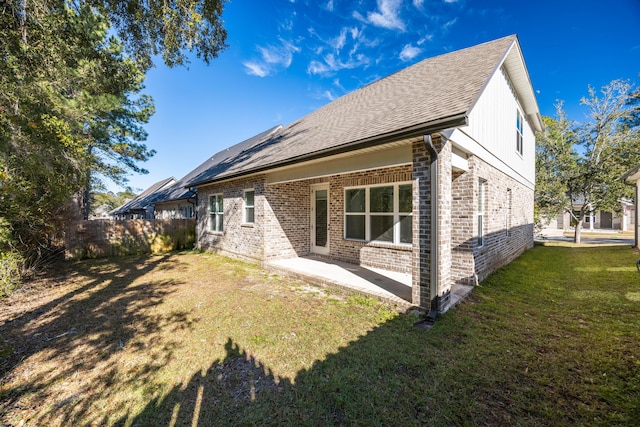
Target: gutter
{"type": "Point", "coordinates": [449, 122]}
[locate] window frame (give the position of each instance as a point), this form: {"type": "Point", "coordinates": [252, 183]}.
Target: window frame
{"type": "Point", "coordinates": [481, 211]}
{"type": "Point", "coordinates": [246, 207]}
{"type": "Point", "coordinates": [216, 217]}
{"type": "Point", "coordinates": [519, 132]}
{"type": "Point", "coordinates": [368, 214]}
{"type": "Point", "coordinates": [509, 214]}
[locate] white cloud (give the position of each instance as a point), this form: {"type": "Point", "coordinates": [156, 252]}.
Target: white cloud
{"type": "Point", "coordinates": [409, 52]}
{"type": "Point", "coordinates": [273, 58]}
{"type": "Point", "coordinates": [331, 64]}
{"type": "Point", "coordinates": [329, 6]}
{"type": "Point", "coordinates": [255, 69]}
{"type": "Point", "coordinates": [418, 3]}
{"type": "Point", "coordinates": [338, 42]}
{"type": "Point", "coordinates": [449, 24]}
{"type": "Point", "coordinates": [451, 1]}
{"type": "Point", "coordinates": [330, 96]}
{"type": "Point", "coordinates": [427, 38]}
{"type": "Point", "coordinates": [388, 15]}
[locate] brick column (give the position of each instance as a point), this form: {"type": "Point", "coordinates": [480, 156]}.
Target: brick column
{"type": "Point", "coordinates": [422, 229]}
{"type": "Point", "coordinates": [445, 225]}
{"type": "Point", "coordinates": [421, 257]}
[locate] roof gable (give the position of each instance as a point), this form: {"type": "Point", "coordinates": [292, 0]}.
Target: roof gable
{"type": "Point", "coordinates": [144, 199]}
{"type": "Point", "coordinates": [432, 95]}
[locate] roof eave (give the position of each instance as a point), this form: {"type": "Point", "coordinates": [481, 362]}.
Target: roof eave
{"type": "Point", "coordinates": [632, 176]}
{"type": "Point", "coordinates": [454, 121]}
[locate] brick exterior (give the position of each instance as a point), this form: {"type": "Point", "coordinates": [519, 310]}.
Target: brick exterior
{"type": "Point", "coordinates": [282, 221]}
{"type": "Point", "coordinates": [239, 240]}
{"type": "Point", "coordinates": [421, 254]}
{"type": "Point", "coordinates": [508, 229]}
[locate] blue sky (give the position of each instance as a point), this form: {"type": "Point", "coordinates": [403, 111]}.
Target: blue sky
{"type": "Point", "coordinates": [287, 58]}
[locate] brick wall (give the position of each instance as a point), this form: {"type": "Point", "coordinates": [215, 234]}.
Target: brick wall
{"type": "Point", "coordinates": [104, 237]}
{"type": "Point", "coordinates": [282, 222]}
{"type": "Point", "coordinates": [381, 255]}
{"type": "Point", "coordinates": [244, 241]}
{"type": "Point", "coordinates": [508, 231]}
{"type": "Point", "coordinates": [508, 222]}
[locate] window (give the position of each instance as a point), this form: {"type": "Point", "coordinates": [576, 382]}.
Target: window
{"type": "Point", "coordinates": [216, 213]}
{"type": "Point", "coordinates": [380, 213]}
{"type": "Point", "coordinates": [507, 224]}
{"type": "Point", "coordinates": [186, 212]}
{"type": "Point", "coordinates": [249, 207]}
{"type": "Point", "coordinates": [482, 188]}
{"type": "Point", "coordinates": [519, 147]}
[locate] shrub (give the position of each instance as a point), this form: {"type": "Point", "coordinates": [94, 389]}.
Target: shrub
{"type": "Point", "coordinates": [10, 272]}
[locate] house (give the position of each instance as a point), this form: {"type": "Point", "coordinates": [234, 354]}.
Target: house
{"type": "Point", "coordinates": [597, 219]}
{"type": "Point", "coordinates": [429, 171]}
{"type": "Point", "coordinates": [633, 178]}
{"type": "Point", "coordinates": [142, 206]}
{"type": "Point", "coordinates": [175, 202]}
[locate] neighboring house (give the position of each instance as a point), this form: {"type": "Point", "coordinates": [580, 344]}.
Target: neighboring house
{"type": "Point", "coordinates": [429, 171]}
{"type": "Point", "coordinates": [599, 219]}
{"type": "Point", "coordinates": [175, 202]}
{"type": "Point", "coordinates": [101, 212]}
{"type": "Point", "coordinates": [142, 206]}
{"type": "Point", "coordinates": [633, 178]}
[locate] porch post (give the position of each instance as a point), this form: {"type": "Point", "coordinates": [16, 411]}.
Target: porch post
{"type": "Point", "coordinates": [421, 254]}
{"type": "Point", "coordinates": [431, 236]}
{"type": "Point", "coordinates": [445, 226]}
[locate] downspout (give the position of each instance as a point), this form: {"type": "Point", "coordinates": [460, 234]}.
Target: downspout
{"type": "Point", "coordinates": [434, 273]}
{"type": "Point", "coordinates": [194, 203]}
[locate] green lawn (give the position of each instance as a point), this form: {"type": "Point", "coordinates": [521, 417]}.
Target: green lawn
{"type": "Point", "coordinates": [196, 339]}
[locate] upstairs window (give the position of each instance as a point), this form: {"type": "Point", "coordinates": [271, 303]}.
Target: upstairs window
{"type": "Point", "coordinates": [519, 147]}
{"type": "Point", "coordinates": [249, 207]}
{"type": "Point", "coordinates": [216, 213]}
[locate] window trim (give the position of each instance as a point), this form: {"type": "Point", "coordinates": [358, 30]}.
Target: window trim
{"type": "Point", "coordinates": [216, 218]}
{"type": "Point", "coordinates": [509, 214]}
{"type": "Point", "coordinates": [482, 207]}
{"type": "Point", "coordinates": [519, 132]}
{"type": "Point", "coordinates": [246, 207]}
{"type": "Point", "coordinates": [368, 214]}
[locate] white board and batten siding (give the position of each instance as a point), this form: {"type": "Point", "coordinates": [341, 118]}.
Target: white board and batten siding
{"type": "Point", "coordinates": [491, 133]}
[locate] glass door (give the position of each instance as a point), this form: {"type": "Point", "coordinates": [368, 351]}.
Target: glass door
{"type": "Point", "coordinates": [320, 219]}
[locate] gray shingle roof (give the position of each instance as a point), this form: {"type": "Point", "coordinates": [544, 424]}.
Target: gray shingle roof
{"type": "Point", "coordinates": [416, 98]}
{"type": "Point", "coordinates": [145, 198]}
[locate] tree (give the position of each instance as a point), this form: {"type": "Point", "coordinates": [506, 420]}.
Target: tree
{"type": "Point", "coordinates": [556, 161]}
{"type": "Point", "coordinates": [579, 165]}
{"type": "Point", "coordinates": [71, 108]}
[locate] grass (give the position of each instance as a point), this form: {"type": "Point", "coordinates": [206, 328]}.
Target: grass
{"type": "Point", "coordinates": [196, 339]}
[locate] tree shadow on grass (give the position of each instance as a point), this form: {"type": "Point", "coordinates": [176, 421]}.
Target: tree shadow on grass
{"type": "Point", "coordinates": [88, 325]}
{"type": "Point", "coordinates": [372, 380]}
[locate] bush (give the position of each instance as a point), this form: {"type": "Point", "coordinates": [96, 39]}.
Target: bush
{"type": "Point", "coordinates": [10, 272]}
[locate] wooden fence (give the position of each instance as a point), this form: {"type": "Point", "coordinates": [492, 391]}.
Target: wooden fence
{"type": "Point", "coordinates": [106, 238]}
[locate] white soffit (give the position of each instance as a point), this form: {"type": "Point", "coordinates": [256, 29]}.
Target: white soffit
{"type": "Point", "coordinates": [517, 71]}
{"type": "Point", "coordinates": [396, 153]}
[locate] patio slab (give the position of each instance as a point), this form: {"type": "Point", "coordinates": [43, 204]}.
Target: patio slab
{"type": "Point", "coordinates": [387, 285]}
{"type": "Point", "coordinates": [391, 286]}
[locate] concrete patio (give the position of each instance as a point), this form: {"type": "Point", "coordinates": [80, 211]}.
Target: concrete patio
{"type": "Point", "coordinates": [387, 285]}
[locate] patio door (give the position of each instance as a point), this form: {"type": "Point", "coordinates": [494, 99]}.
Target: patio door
{"type": "Point", "coordinates": [320, 219]}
